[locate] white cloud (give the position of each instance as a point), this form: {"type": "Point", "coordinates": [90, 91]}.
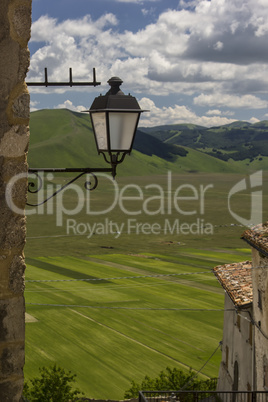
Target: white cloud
{"type": "Point", "coordinates": [47, 29]}
{"type": "Point", "coordinates": [253, 120]}
{"type": "Point", "coordinates": [213, 50]}
{"type": "Point", "coordinates": [176, 115]}
{"type": "Point", "coordinates": [215, 112]}
{"type": "Point", "coordinates": [218, 46]}
{"type": "Point", "coordinates": [181, 46]}
{"type": "Point", "coordinates": [233, 101]}
{"type": "Point", "coordinates": [69, 105]}
{"type": "Point", "coordinates": [80, 44]}
{"type": "Point", "coordinates": [148, 11]}
{"type": "Point", "coordinates": [135, 1]}
{"type": "Point", "coordinates": [33, 105]}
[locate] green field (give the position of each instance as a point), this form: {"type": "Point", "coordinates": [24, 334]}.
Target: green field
{"type": "Point", "coordinates": [113, 307]}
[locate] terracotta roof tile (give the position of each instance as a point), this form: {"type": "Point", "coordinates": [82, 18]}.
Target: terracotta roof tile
{"type": "Point", "coordinates": [257, 237]}
{"type": "Point", "coordinates": [237, 281]}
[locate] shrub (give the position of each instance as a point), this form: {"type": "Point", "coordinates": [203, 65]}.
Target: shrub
{"type": "Point", "coordinates": [52, 386]}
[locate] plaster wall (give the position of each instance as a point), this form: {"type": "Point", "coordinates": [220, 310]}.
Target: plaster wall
{"type": "Point", "coordinates": [236, 350]}
{"type": "Point", "coordinates": [15, 25]}
{"type": "Point", "coordinates": [260, 314]}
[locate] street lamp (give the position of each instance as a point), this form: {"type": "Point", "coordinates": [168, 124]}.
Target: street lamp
{"type": "Point", "coordinates": [114, 118]}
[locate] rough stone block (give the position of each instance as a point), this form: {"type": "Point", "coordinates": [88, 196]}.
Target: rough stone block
{"type": "Point", "coordinates": [11, 390]}
{"type": "Point", "coordinates": [18, 109]}
{"type": "Point", "coordinates": [16, 233]}
{"type": "Point", "coordinates": [20, 21]}
{"type": "Point", "coordinates": [15, 142]}
{"type": "Point", "coordinates": [12, 321]}
{"type": "Point", "coordinates": [13, 192]}
{"type": "Point", "coordinates": [9, 67]}
{"type": "Point", "coordinates": [12, 360]}
{"type": "Point", "coordinates": [12, 167]}
{"type": "Point", "coordinates": [24, 62]}
{"type": "Point", "coordinates": [21, 106]}
{"type": "Point", "coordinates": [16, 275]}
{"type": "Point", "coordinates": [12, 226]}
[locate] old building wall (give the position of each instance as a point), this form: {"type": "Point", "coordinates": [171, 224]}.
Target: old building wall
{"type": "Point", "coordinates": [15, 25]}
{"type": "Point", "coordinates": [260, 313]}
{"type": "Point", "coordinates": [237, 352]}
{"type": "Point", "coordinates": [225, 380]}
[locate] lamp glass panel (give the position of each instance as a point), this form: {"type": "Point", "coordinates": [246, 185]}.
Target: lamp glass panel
{"type": "Point", "coordinates": [122, 130]}
{"type": "Point", "coordinates": [99, 122]}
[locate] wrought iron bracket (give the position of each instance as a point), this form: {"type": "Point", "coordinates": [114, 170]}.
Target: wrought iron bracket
{"type": "Point", "coordinates": [33, 188]}
{"type": "Point", "coordinates": [112, 159]}
{"type": "Point", "coordinates": [71, 83]}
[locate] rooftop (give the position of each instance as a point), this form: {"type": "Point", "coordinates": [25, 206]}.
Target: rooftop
{"type": "Point", "coordinates": [257, 237]}
{"type": "Point", "coordinates": [237, 281]}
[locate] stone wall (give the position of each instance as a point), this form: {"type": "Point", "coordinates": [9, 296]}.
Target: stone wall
{"type": "Point", "coordinates": [15, 25]}
{"type": "Point", "coordinates": [236, 349]}
{"type": "Point", "coordinates": [260, 305]}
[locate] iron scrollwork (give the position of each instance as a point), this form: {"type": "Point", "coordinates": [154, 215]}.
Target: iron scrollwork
{"type": "Point", "coordinates": [35, 186]}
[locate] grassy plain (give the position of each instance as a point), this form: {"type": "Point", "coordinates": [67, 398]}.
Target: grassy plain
{"type": "Point", "coordinates": [113, 307]}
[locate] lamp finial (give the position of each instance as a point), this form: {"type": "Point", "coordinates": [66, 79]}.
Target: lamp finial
{"type": "Point", "coordinates": [115, 83]}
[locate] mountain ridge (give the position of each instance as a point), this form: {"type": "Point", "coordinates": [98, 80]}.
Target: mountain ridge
{"type": "Point", "coordinates": [238, 140]}
{"type": "Point", "coordinates": [63, 138]}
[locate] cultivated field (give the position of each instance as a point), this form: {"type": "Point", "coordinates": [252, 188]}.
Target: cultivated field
{"type": "Point", "coordinates": [114, 305]}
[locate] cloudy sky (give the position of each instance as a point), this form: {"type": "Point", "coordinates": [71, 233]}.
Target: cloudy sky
{"type": "Point", "coordinates": [196, 61]}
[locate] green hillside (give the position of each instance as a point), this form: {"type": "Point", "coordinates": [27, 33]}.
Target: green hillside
{"type": "Point", "coordinates": [240, 141]}
{"type": "Point", "coordinates": [61, 138]}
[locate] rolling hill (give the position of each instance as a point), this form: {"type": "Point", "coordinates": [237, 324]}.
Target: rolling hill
{"type": "Point", "coordinates": [62, 138]}
{"type": "Point", "coordinates": [237, 141]}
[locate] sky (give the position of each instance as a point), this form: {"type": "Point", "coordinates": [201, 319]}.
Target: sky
{"type": "Point", "coordinates": [203, 62]}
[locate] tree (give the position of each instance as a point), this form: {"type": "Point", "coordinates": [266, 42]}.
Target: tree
{"type": "Point", "coordinates": [170, 379]}
{"type": "Point", "coordinates": [52, 386]}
